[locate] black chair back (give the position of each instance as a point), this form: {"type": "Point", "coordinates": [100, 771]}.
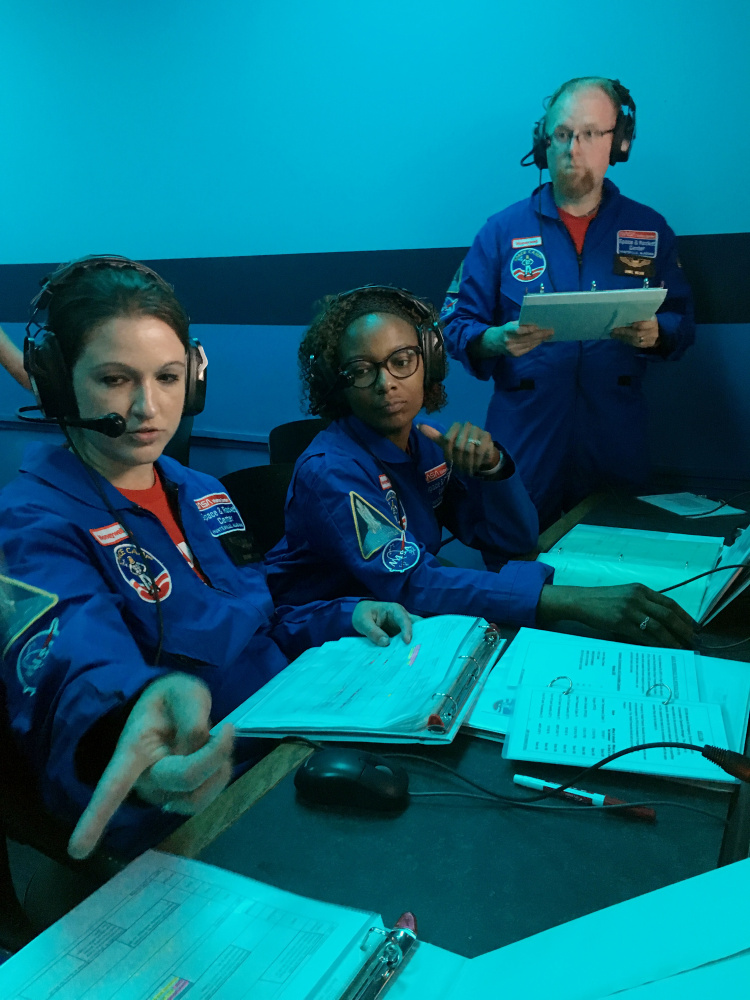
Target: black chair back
{"type": "Point", "coordinates": [287, 441]}
{"type": "Point", "coordinates": [259, 493]}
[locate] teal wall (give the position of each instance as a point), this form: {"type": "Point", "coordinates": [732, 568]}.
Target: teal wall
{"type": "Point", "coordinates": [173, 128]}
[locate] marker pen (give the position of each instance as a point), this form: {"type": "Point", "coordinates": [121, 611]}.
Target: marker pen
{"type": "Point", "coordinates": [586, 798]}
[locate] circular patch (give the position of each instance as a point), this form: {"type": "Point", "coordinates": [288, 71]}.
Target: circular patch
{"type": "Point", "coordinates": [528, 264]}
{"type": "Point", "coordinates": [139, 576]}
{"type": "Point", "coordinates": [397, 559]}
{"type": "Point", "coordinates": [33, 655]}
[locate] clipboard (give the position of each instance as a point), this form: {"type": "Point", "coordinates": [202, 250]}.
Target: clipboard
{"type": "Point", "coordinates": [351, 690]}
{"type": "Point", "coordinates": [590, 315]}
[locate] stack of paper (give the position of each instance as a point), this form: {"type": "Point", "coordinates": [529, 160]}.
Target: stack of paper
{"type": "Point", "coordinates": [563, 699]}
{"type": "Point", "coordinates": [351, 689]}
{"type": "Point", "coordinates": [594, 556]}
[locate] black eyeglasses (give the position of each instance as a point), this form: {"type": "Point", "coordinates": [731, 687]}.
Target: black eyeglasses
{"type": "Point", "coordinates": [401, 364]}
{"type": "Point", "coordinates": [562, 136]}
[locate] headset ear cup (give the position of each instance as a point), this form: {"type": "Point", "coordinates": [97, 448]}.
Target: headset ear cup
{"type": "Point", "coordinates": [540, 145]}
{"type": "Point", "coordinates": [50, 378]}
{"type": "Point", "coordinates": [433, 354]}
{"type": "Point", "coordinates": [195, 380]}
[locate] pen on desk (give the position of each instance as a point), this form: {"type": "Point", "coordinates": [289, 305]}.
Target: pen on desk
{"type": "Point", "coordinates": [586, 798]}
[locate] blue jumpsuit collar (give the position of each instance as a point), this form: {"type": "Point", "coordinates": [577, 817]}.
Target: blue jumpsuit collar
{"type": "Point", "coordinates": [60, 468]}
{"type": "Point", "coordinates": [380, 447]}
{"type": "Point", "coordinates": [549, 208]}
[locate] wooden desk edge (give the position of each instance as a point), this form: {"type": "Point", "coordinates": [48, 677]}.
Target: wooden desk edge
{"type": "Point", "coordinates": [199, 831]}
{"type": "Point", "coordinates": [562, 526]}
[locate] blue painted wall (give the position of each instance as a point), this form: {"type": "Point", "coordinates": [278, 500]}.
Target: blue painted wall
{"type": "Point", "coordinates": [184, 129]}
{"type": "Point", "coordinates": [180, 130]}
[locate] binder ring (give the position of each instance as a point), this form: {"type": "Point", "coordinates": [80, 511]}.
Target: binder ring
{"type": "Point", "coordinates": [465, 657]}
{"type": "Point", "coordinates": [661, 684]}
{"type": "Point", "coordinates": [448, 697]}
{"type": "Point", "coordinates": [491, 633]}
{"type": "Point", "coordinates": [562, 678]}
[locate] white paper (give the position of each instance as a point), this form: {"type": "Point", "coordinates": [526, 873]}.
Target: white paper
{"type": "Point", "coordinates": [353, 688]}
{"type": "Point", "coordinates": [690, 505]}
{"type": "Point", "coordinates": [595, 556]}
{"type": "Point", "coordinates": [647, 939]}
{"type": "Point", "coordinates": [167, 926]}
{"type": "Point", "coordinates": [583, 727]}
{"type": "Point", "coordinates": [590, 315]}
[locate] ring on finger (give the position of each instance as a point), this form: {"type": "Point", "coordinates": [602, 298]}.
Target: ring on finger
{"type": "Point", "coordinates": [644, 623]}
{"type": "Point", "coordinates": [474, 441]}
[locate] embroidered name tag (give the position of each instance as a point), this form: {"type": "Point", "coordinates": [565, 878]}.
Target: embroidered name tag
{"type": "Point", "coordinates": [526, 241]}
{"type": "Point", "coordinates": [220, 514]}
{"type": "Point", "coordinates": [637, 242]}
{"type": "Point", "coordinates": [110, 534]}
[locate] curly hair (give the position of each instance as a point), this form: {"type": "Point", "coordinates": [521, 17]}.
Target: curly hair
{"type": "Point", "coordinates": [321, 342]}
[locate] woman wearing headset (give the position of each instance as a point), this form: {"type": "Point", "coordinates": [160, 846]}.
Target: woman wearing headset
{"type": "Point", "coordinates": [163, 620]}
{"type": "Point", "coordinates": [370, 495]}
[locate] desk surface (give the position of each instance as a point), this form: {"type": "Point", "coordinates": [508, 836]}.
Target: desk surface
{"type": "Point", "coordinates": [477, 875]}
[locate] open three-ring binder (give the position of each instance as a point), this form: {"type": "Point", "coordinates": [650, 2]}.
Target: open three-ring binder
{"type": "Point", "coordinates": [168, 928]}
{"type": "Point", "coordinates": [350, 689]}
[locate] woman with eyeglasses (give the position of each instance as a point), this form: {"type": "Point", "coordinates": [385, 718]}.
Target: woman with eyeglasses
{"type": "Point", "coordinates": [163, 622]}
{"type": "Point", "coordinates": [372, 493]}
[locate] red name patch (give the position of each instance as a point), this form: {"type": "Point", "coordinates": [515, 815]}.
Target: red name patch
{"type": "Point", "coordinates": [636, 234]}
{"type": "Point", "coordinates": [436, 473]}
{"type": "Point", "coordinates": [110, 534]}
{"type": "Point", "coordinates": [385, 482]}
{"type": "Point", "coordinates": [211, 499]}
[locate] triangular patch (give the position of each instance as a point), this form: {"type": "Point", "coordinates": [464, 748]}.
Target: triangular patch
{"type": "Point", "coordinates": [374, 530]}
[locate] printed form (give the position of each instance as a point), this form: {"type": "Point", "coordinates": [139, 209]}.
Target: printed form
{"type": "Point", "coordinates": [582, 727]}
{"type": "Point", "coordinates": [166, 927]}
{"type": "Point", "coordinates": [537, 658]}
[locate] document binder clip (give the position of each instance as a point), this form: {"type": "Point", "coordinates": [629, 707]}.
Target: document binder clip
{"type": "Point", "coordinates": [385, 963]}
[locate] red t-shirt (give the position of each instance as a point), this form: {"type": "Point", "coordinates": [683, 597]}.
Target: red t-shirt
{"type": "Point", "coordinates": [155, 499]}
{"type": "Point", "coordinates": [576, 226]}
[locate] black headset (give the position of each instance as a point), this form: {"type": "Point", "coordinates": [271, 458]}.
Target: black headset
{"type": "Point", "coordinates": [50, 375]}
{"type": "Point", "coordinates": [624, 132]}
{"type": "Point", "coordinates": [325, 380]}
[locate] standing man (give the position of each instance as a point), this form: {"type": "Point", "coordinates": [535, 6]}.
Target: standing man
{"type": "Point", "coordinates": [573, 414]}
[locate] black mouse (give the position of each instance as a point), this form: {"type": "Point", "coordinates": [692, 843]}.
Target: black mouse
{"type": "Point", "coordinates": [340, 776]}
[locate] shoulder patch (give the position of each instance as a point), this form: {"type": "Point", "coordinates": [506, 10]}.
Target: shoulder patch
{"type": "Point", "coordinates": [33, 655]}
{"type": "Point", "coordinates": [400, 555]}
{"type": "Point", "coordinates": [373, 529]}
{"type": "Point", "coordinates": [110, 534]}
{"type": "Point", "coordinates": [219, 513]}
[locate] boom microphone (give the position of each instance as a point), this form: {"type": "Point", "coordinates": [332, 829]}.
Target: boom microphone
{"type": "Point", "coordinates": [113, 425]}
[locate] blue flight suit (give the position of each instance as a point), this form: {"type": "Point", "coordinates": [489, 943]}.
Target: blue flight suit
{"type": "Point", "coordinates": [94, 650]}
{"type": "Point", "coordinates": [573, 414]}
{"type": "Point", "coordinates": [353, 488]}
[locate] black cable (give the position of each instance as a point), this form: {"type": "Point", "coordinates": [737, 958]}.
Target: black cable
{"type": "Point", "coordinates": [708, 572]}
{"type": "Point", "coordinates": [648, 803]}
{"type": "Point", "coordinates": [120, 519]}
{"type": "Point", "coordinates": [534, 801]}
{"type": "Point", "coordinates": [723, 503]}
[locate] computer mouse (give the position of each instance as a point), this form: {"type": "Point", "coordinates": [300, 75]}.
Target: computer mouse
{"type": "Point", "coordinates": [341, 776]}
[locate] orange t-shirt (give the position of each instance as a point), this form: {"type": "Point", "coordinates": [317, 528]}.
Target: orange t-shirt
{"type": "Point", "coordinates": [155, 499]}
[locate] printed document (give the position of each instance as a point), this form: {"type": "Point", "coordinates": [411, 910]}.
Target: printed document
{"type": "Point", "coordinates": [690, 505]}
{"type": "Point", "coordinates": [167, 928]}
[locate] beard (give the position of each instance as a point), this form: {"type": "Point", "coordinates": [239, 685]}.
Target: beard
{"type": "Point", "coordinates": [573, 185]}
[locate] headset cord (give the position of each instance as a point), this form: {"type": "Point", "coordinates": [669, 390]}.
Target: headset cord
{"type": "Point", "coordinates": [120, 519]}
